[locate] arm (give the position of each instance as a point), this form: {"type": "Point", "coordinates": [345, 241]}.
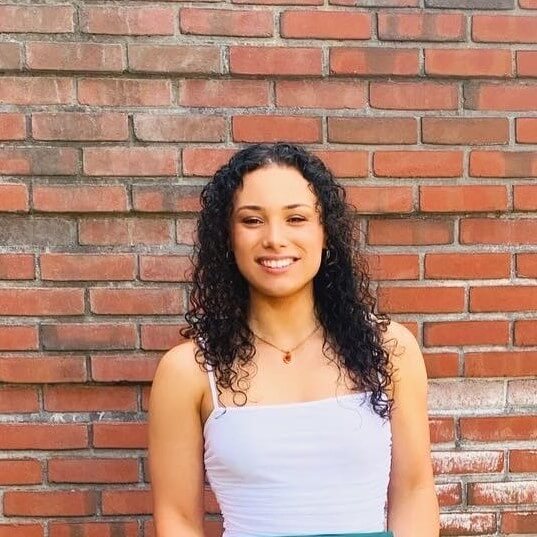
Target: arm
{"type": "Point", "coordinates": [175, 445]}
{"type": "Point", "coordinates": [412, 501]}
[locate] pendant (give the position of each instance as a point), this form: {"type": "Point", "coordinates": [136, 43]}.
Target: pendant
{"type": "Point", "coordinates": [287, 357]}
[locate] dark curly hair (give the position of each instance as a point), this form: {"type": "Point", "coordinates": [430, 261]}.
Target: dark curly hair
{"type": "Point", "coordinates": [217, 314]}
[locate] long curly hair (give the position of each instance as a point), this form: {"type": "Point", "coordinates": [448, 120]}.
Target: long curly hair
{"type": "Point", "coordinates": [344, 304]}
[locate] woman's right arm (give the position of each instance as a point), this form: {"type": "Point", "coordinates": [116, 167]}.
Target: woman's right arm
{"type": "Point", "coordinates": [175, 449]}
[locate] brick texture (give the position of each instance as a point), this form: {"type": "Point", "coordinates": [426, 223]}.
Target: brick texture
{"type": "Point", "coordinates": [112, 116]}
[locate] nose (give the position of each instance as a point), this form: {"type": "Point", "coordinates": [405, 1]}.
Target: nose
{"type": "Point", "coordinates": [274, 235]}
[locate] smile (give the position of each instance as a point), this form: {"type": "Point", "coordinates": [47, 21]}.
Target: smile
{"type": "Point", "coordinates": [277, 263]}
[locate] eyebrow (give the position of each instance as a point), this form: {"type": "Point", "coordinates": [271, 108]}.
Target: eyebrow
{"type": "Point", "coordinates": [258, 208]}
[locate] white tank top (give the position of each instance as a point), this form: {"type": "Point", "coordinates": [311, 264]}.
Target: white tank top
{"type": "Point", "coordinates": [298, 468]}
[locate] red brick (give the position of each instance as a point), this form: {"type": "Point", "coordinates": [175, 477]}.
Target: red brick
{"type": "Point", "coordinates": [463, 198]}
{"type": "Point", "coordinates": [413, 96]}
{"type": "Point", "coordinates": [526, 332]}
{"type": "Point", "coordinates": [18, 400]}
{"type": "Point", "coordinates": [520, 492]}
{"type": "Point", "coordinates": [500, 96]}
{"type": "Point", "coordinates": [17, 267]}
{"type": "Point", "coordinates": [36, 90]}
{"type": "Point", "coordinates": [79, 126]}
{"type": "Point", "coordinates": [75, 56]}
{"type": "Point", "coordinates": [36, 369]}
{"type": "Point", "coordinates": [186, 231]}
{"type": "Point", "coordinates": [500, 364]}
{"type": "Point", "coordinates": [127, 502]}
{"type": "Point", "coordinates": [139, 20]}
{"type": "Point", "coordinates": [421, 299]}
{"type": "Point", "coordinates": [130, 161]}
{"type": "Point", "coordinates": [321, 94]}
{"type": "Point", "coordinates": [174, 59]}
{"type": "Point", "coordinates": [120, 435]}
{"type": "Point", "coordinates": [503, 163]}
{"type": "Point", "coordinates": [95, 470]}
{"type": "Point", "coordinates": [93, 529]}
{"type": "Point", "coordinates": [223, 93]}
{"type": "Point", "coordinates": [377, 199]}
{"type": "Point", "coordinates": [18, 338]}
{"type": "Point", "coordinates": [471, 4]}
{"type": "Point", "coordinates": [465, 131]}
{"type": "Point", "coordinates": [270, 128]}
{"type": "Point", "coordinates": [110, 368]}
{"type": "Point", "coordinates": [86, 336]}
{"type": "Point", "coordinates": [66, 198]}
{"type": "Point", "coordinates": [280, 2]}
{"type": "Point", "coordinates": [522, 460]}
{"type": "Point", "coordinates": [526, 265]}
{"type": "Point", "coordinates": [526, 63]}
{"type": "Point", "coordinates": [421, 26]}
{"type": "Point", "coordinates": [498, 429]}
{"type": "Point", "coordinates": [10, 55]}
{"type": "Point", "coordinates": [496, 231]}
{"type": "Point", "coordinates": [441, 430]}
{"type": "Point", "coordinates": [41, 301]}
{"type": "Point", "coordinates": [449, 494]}
{"type": "Point", "coordinates": [57, 436]}
{"type": "Point", "coordinates": [159, 337]}
{"type": "Point", "coordinates": [13, 197]}
{"type": "Point", "coordinates": [21, 530]}
{"type": "Point", "coordinates": [503, 298]}
{"type": "Point", "coordinates": [519, 522]}
{"type": "Point", "coordinates": [368, 130]}
{"type": "Point", "coordinates": [504, 28]}
{"type": "Point", "coordinates": [467, 523]}
{"type": "Point", "coordinates": [374, 61]}
{"type": "Point", "coordinates": [526, 130]}
{"type": "Point", "coordinates": [325, 24]}
{"type": "Point", "coordinates": [115, 231]}
{"type": "Point", "coordinates": [128, 92]}
{"type": "Point", "coordinates": [409, 231]}
{"type": "Point", "coordinates": [378, 3]}
{"type": "Point", "coordinates": [417, 163]}
{"type": "Point", "coordinates": [89, 398]}
{"type": "Point", "coordinates": [136, 301]}
{"type": "Point", "coordinates": [276, 61]}
{"type": "Point", "coordinates": [165, 268]}
{"type": "Point", "coordinates": [528, 4]}
{"type": "Point", "coordinates": [179, 128]}
{"type": "Point", "coordinates": [345, 163]}
{"type": "Point", "coordinates": [465, 333]}
{"type": "Point", "coordinates": [204, 162]}
{"type": "Point", "coordinates": [20, 472]}
{"type": "Point", "coordinates": [166, 198]}
{"type": "Point", "coordinates": [525, 197]}
{"type": "Point", "coordinates": [38, 161]}
{"type": "Point", "coordinates": [50, 503]}
{"type": "Point", "coordinates": [69, 267]}
{"type": "Point", "coordinates": [462, 266]}
{"type": "Point", "coordinates": [226, 22]}
{"type": "Point", "coordinates": [467, 462]}
{"type": "Point", "coordinates": [36, 19]}
{"type": "Point", "coordinates": [12, 126]}
{"type": "Point", "coordinates": [468, 62]}
{"type": "Point", "coordinates": [441, 364]}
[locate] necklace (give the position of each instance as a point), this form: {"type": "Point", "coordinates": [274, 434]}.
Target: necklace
{"type": "Point", "coordinates": [287, 354]}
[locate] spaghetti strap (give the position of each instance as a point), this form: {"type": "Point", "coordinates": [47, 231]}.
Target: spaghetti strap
{"type": "Point", "coordinates": [214, 392]}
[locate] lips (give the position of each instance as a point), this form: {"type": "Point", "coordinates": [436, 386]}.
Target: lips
{"type": "Point", "coordinates": [276, 262]}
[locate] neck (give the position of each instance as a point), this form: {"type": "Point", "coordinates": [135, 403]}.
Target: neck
{"type": "Point", "coordinates": [282, 320]}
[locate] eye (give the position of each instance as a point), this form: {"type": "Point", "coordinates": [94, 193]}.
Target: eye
{"type": "Point", "coordinates": [297, 219]}
{"type": "Point", "coordinates": [251, 220]}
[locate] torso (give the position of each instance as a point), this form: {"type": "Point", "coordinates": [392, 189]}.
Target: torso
{"type": "Point", "coordinates": [310, 376]}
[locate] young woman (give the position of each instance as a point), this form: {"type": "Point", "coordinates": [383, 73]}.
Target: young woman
{"type": "Point", "coordinates": [306, 410]}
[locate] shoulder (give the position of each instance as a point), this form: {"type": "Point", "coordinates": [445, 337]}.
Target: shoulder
{"type": "Point", "coordinates": [179, 372]}
{"type": "Point", "coordinates": [406, 358]}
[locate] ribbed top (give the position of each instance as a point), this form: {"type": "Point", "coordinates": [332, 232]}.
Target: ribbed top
{"type": "Point", "coordinates": [299, 468]}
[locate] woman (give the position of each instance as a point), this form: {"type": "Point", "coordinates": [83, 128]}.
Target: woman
{"type": "Point", "coordinates": [306, 410]}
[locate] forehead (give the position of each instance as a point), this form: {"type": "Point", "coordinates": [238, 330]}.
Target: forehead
{"type": "Point", "coordinates": [274, 185]}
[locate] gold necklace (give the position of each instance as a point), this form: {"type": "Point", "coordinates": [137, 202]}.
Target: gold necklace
{"type": "Point", "coordinates": [287, 354]}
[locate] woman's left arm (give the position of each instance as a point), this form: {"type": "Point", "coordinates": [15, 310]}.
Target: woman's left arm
{"type": "Point", "coordinates": [412, 502]}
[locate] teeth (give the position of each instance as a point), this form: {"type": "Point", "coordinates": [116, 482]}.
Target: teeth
{"type": "Point", "coordinates": [280, 263]}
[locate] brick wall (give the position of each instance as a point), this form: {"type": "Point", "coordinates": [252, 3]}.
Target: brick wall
{"type": "Point", "coordinates": [111, 117]}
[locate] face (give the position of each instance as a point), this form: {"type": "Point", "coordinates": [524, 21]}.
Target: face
{"type": "Point", "coordinates": [276, 232]}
